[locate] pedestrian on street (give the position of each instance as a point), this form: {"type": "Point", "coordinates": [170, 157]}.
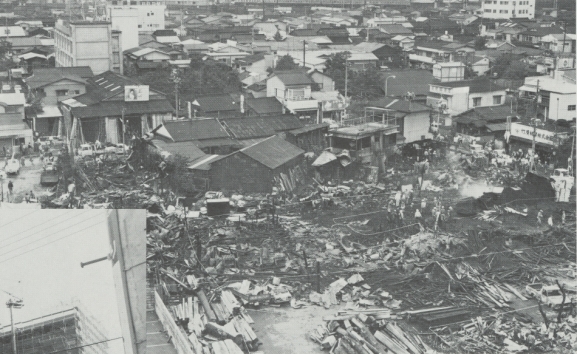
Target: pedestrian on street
{"type": "Point", "coordinates": [27, 198]}
{"type": "Point", "coordinates": [540, 217]}
{"type": "Point", "coordinates": [10, 187]}
{"type": "Point", "coordinates": [22, 161]}
{"type": "Point", "coordinates": [32, 196]}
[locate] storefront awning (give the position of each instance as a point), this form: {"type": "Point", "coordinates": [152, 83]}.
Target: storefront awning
{"type": "Point", "coordinates": [497, 127]}
{"type": "Point", "coordinates": [528, 88]}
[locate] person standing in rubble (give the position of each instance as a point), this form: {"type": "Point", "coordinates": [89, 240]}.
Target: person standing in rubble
{"type": "Point", "coordinates": [550, 220]}
{"type": "Point", "coordinates": [418, 217]}
{"type": "Point", "coordinates": [398, 199]}
{"type": "Point", "coordinates": [563, 217]}
{"type": "Point", "coordinates": [540, 217]}
{"type": "Point", "coordinates": [71, 189]}
{"type": "Point", "coordinates": [401, 217]}
{"type": "Point", "coordinates": [423, 204]}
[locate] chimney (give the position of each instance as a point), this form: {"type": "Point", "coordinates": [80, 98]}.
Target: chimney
{"type": "Point", "coordinates": [242, 103]}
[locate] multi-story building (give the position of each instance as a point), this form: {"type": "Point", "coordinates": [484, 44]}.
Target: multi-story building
{"type": "Point", "coordinates": [555, 94]}
{"type": "Point", "coordinates": [88, 43]}
{"type": "Point", "coordinates": [148, 17]}
{"type": "Point", "coordinates": [507, 9]}
{"type": "Point", "coordinates": [65, 331]}
{"type": "Point", "coordinates": [460, 96]}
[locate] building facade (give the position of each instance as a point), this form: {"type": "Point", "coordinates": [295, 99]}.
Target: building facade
{"type": "Point", "coordinates": [507, 9]}
{"type": "Point", "coordinates": [65, 331]}
{"type": "Point", "coordinates": [84, 43]}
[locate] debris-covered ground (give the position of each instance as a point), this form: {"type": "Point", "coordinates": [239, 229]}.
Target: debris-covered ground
{"type": "Point", "coordinates": [400, 266]}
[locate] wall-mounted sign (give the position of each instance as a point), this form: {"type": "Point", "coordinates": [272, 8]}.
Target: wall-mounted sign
{"type": "Point", "coordinates": [136, 93]}
{"type": "Point", "coordinates": [526, 132]}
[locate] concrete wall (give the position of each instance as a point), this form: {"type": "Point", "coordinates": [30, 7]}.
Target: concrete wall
{"type": "Point", "coordinates": [565, 100]}
{"type": "Point", "coordinates": [86, 44]}
{"type": "Point", "coordinates": [274, 87]}
{"type": "Point", "coordinates": [125, 19]}
{"type": "Point", "coordinates": [72, 87]}
{"type": "Point", "coordinates": [486, 98]}
{"type": "Point", "coordinates": [416, 126]}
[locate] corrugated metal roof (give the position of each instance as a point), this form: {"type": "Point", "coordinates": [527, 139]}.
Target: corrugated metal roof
{"type": "Point", "coordinates": [217, 103]}
{"type": "Point", "coordinates": [259, 127]}
{"type": "Point", "coordinates": [195, 129]}
{"type": "Point", "coordinates": [309, 128]}
{"type": "Point", "coordinates": [264, 105]}
{"type": "Point", "coordinates": [272, 152]}
{"type": "Point", "coordinates": [184, 148]}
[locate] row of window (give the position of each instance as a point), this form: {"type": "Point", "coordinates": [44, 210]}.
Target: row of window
{"type": "Point", "coordinates": [478, 100]}
{"type": "Point", "coordinates": [60, 93]}
{"type": "Point", "coordinates": [571, 107]}
{"type": "Point", "coordinates": [505, 2]}
{"type": "Point", "coordinates": [523, 11]}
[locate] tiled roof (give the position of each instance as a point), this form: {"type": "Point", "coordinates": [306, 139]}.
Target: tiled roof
{"type": "Point", "coordinates": [259, 127]}
{"type": "Point", "coordinates": [309, 128]}
{"type": "Point", "coordinates": [103, 86]}
{"type": "Point", "coordinates": [114, 108]}
{"type": "Point", "coordinates": [264, 105]}
{"type": "Point", "coordinates": [251, 58]}
{"type": "Point", "coordinates": [395, 29]}
{"type": "Point", "coordinates": [36, 81]}
{"type": "Point", "coordinates": [294, 78]}
{"type": "Point", "coordinates": [217, 103]}
{"type": "Point", "coordinates": [272, 152]}
{"type": "Point", "coordinates": [489, 113]}
{"type": "Point", "coordinates": [84, 72]}
{"type": "Point", "coordinates": [478, 85]}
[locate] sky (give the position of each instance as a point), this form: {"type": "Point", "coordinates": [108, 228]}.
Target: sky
{"type": "Point", "coordinates": [40, 255]}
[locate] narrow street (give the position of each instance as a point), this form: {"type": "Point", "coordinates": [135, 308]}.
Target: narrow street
{"type": "Point", "coordinates": [27, 180]}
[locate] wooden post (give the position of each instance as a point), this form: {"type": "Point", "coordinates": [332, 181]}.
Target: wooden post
{"type": "Point", "coordinates": [198, 247]}
{"type": "Point", "coordinates": [318, 277]}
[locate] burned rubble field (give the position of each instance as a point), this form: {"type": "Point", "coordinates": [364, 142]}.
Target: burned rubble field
{"type": "Point", "coordinates": [386, 286]}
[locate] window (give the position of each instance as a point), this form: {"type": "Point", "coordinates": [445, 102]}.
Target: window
{"type": "Point", "coordinates": [496, 99]}
{"type": "Point", "coordinates": [61, 92]}
{"type": "Point", "coordinates": [476, 101]}
{"type": "Point", "coordinates": [571, 107]}
{"type": "Point", "coordinates": [494, 11]}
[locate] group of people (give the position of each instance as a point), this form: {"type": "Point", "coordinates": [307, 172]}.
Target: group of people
{"type": "Point", "coordinates": [403, 203]}
{"type": "Point", "coordinates": [540, 216]}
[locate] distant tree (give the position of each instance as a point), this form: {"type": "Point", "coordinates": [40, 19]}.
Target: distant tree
{"type": "Point", "coordinates": [286, 62]}
{"type": "Point", "coordinates": [335, 68]}
{"type": "Point", "coordinates": [516, 70]}
{"type": "Point", "coordinates": [208, 78]}
{"type": "Point", "coordinates": [469, 72]}
{"type": "Point", "coordinates": [277, 37]}
{"type": "Point", "coordinates": [480, 43]}
{"type": "Point", "coordinates": [365, 84]}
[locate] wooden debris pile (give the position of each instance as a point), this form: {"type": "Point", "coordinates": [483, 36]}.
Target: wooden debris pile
{"type": "Point", "coordinates": [365, 333]}
{"type": "Point", "coordinates": [221, 324]}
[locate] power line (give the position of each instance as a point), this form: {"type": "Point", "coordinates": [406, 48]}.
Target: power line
{"type": "Point", "coordinates": [84, 346]}
{"type": "Point", "coordinates": [2, 254]}
{"type": "Point", "coordinates": [46, 244]}
{"type": "Point", "coordinates": [33, 227]}
{"type": "Point", "coordinates": [20, 218]}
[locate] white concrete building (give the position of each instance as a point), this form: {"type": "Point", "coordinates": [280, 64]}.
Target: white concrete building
{"type": "Point", "coordinates": [556, 92]}
{"type": "Point", "coordinates": [149, 17]}
{"type": "Point", "coordinates": [460, 96]}
{"type": "Point", "coordinates": [85, 43]}
{"type": "Point", "coordinates": [125, 20]}
{"type": "Point", "coordinates": [507, 9]}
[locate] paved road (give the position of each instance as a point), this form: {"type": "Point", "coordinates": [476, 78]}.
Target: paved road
{"type": "Point", "coordinates": [27, 180]}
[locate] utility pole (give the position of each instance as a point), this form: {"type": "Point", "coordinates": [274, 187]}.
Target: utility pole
{"type": "Point", "coordinates": [346, 82]}
{"type": "Point", "coordinates": [304, 53]}
{"type": "Point", "coordinates": [123, 126]}
{"type": "Point", "coordinates": [14, 303]}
